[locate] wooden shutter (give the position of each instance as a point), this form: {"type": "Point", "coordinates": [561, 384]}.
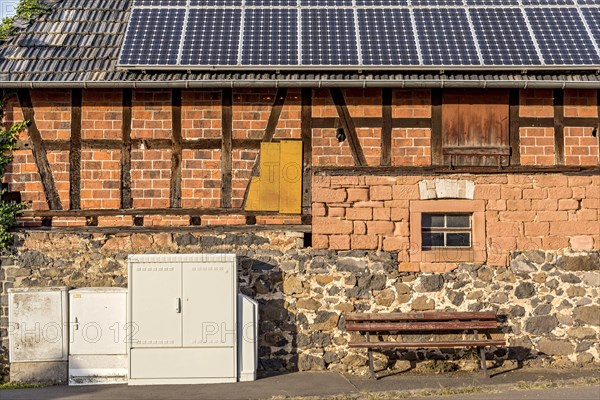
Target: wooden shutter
{"type": "Point", "coordinates": [475, 127]}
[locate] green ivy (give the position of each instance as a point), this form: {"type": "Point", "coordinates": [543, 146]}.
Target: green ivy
{"type": "Point", "coordinates": [8, 209]}
{"type": "Point", "coordinates": [26, 9]}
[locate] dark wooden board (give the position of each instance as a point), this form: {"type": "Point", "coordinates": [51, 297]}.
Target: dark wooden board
{"type": "Point", "coordinates": [176, 167]}
{"type": "Point", "coordinates": [424, 316]}
{"type": "Point", "coordinates": [437, 157]}
{"type": "Point", "coordinates": [424, 345]}
{"type": "Point", "coordinates": [306, 133]}
{"type": "Point", "coordinates": [226, 147]}
{"type": "Point", "coordinates": [126, 150]}
{"type": "Point", "coordinates": [440, 170]}
{"type": "Point", "coordinates": [386, 128]}
{"type": "Point", "coordinates": [75, 151]}
{"type": "Point", "coordinates": [414, 326]}
{"type": "Point", "coordinates": [559, 127]}
{"type": "Point", "coordinates": [348, 126]}
{"type": "Point", "coordinates": [514, 132]}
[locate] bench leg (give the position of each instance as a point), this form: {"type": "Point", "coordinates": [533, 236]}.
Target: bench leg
{"type": "Point", "coordinates": [371, 365]}
{"type": "Point", "coordinates": [483, 363]}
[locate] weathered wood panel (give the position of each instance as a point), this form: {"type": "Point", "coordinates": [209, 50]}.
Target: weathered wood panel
{"type": "Point", "coordinates": [290, 175]}
{"type": "Point", "coordinates": [75, 151]}
{"type": "Point", "coordinates": [226, 147]}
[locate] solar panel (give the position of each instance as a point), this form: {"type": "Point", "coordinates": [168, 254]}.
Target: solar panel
{"type": "Point", "coordinates": [592, 16]}
{"type": "Point", "coordinates": [329, 37]}
{"type": "Point", "coordinates": [325, 3]}
{"type": "Point", "coordinates": [561, 36]}
{"type": "Point", "coordinates": [215, 3]}
{"type": "Point", "coordinates": [212, 37]}
{"type": "Point", "coordinates": [503, 37]}
{"type": "Point", "coordinates": [445, 37]}
{"type": "Point", "coordinates": [362, 33]}
{"type": "Point", "coordinates": [159, 3]}
{"type": "Point", "coordinates": [153, 37]}
{"type": "Point", "coordinates": [387, 37]}
{"type": "Point", "coordinates": [270, 37]}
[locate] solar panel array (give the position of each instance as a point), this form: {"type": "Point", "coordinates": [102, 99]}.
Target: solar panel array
{"type": "Point", "coordinates": [362, 34]}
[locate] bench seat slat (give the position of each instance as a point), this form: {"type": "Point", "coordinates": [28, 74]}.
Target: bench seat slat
{"type": "Point", "coordinates": [420, 326]}
{"type": "Point", "coordinates": [427, 316]}
{"type": "Point", "coordinates": [424, 345]}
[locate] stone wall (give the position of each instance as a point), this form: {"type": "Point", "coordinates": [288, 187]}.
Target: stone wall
{"type": "Point", "coordinates": [548, 300]}
{"type": "Point", "coordinates": [520, 212]}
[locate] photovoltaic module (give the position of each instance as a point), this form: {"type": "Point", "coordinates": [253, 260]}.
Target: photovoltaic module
{"type": "Point", "coordinates": [362, 34]}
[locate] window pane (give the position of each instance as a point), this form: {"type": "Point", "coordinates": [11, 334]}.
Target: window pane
{"type": "Point", "coordinates": [432, 221]}
{"type": "Point", "coordinates": [433, 239]}
{"type": "Point", "coordinates": [459, 220]}
{"type": "Point", "coordinates": [458, 239]}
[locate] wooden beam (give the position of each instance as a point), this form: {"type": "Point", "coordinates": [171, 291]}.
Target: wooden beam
{"type": "Point", "coordinates": [176, 167]}
{"type": "Point", "coordinates": [514, 133]}
{"type": "Point", "coordinates": [444, 170]}
{"type": "Point", "coordinates": [437, 157]}
{"type": "Point", "coordinates": [371, 122]}
{"type": "Point", "coordinates": [348, 126]}
{"type": "Point", "coordinates": [126, 149]}
{"type": "Point", "coordinates": [276, 109]}
{"type": "Point", "coordinates": [306, 133]}
{"type": "Point", "coordinates": [386, 127]}
{"type": "Point", "coordinates": [75, 151]}
{"type": "Point", "coordinates": [39, 151]}
{"type": "Point", "coordinates": [559, 127]}
{"type": "Point", "coordinates": [107, 212]}
{"type": "Point", "coordinates": [226, 146]}
{"type": "Point", "coordinates": [110, 230]}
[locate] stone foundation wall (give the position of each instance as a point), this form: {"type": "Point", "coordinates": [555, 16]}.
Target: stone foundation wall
{"type": "Point", "coordinates": [549, 300]}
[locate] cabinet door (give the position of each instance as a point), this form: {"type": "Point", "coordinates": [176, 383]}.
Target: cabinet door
{"type": "Point", "coordinates": [156, 304]}
{"type": "Point", "coordinates": [209, 293]}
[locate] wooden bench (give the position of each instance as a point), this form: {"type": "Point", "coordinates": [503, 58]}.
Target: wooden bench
{"type": "Point", "coordinates": [472, 323]}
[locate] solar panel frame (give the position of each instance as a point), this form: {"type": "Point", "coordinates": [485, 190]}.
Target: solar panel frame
{"type": "Point", "coordinates": [348, 53]}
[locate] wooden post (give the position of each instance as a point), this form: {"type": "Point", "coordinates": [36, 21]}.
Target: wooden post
{"type": "Point", "coordinates": [514, 134]}
{"type": "Point", "coordinates": [39, 151]}
{"type": "Point", "coordinates": [386, 128]}
{"type": "Point", "coordinates": [75, 151]}
{"type": "Point", "coordinates": [349, 127]}
{"type": "Point", "coordinates": [559, 127]}
{"type": "Point", "coordinates": [176, 166]}
{"type": "Point", "coordinates": [226, 146]}
{"type": "Point", "coordinates": [306, 132]}
{"type": "Point", "coordinates": [126, 150]}
{"type": "Point", "coordinates": [437, 157]}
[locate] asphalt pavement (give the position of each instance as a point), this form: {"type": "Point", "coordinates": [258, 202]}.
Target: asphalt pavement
{"type": "Point", "coordinates": [517, 384]}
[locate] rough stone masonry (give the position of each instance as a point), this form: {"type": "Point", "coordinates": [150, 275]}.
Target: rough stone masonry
{"type": "Point", "coordinates": [548, 300]}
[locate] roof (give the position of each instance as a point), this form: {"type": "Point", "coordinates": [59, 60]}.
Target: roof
{"type": "Point", "coordinates": [77, 43]}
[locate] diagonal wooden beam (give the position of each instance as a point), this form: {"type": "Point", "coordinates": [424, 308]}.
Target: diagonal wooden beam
{"type": "Point", "coordinates": [226, 146]}
{"type": "Point", "coordinates": [278, 103]}
{"type": "Point", "coordinates": [39, 151]}
{"type": "Point", "coordinates": [348, 126]}
{"type": "Point", "coordinates": [176, 166]}
{"type": "Point", "coordinates": [75, 151]}
{"type": "Point", "coordinates": [126, 150]}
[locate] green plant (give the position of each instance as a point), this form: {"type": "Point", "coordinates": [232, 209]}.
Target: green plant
{"type": "Point", "coordinates": [9, 386]}
{"type": "Point", "coordinates": [26, 9]}
{"type": "Point", "coordinates": [8, 209]}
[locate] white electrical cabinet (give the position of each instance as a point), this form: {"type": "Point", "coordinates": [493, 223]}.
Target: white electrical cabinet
{"type": "Point", "coordinates": [182, 310]}
{"type": "Point", "coordinates": [38, 334]}
{"type": "Point", "coordinates": [97, 346]}
{"type": "Point", "coordinates": [247, 338]}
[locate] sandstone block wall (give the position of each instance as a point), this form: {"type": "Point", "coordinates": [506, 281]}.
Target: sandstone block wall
{"type": "Point", "coordinates": [548, 300]}
{"type": "Point", "coordinates": [522, 212]}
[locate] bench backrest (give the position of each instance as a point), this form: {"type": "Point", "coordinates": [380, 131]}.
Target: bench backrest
{"type": "Point", "coordinates": [415, 321]}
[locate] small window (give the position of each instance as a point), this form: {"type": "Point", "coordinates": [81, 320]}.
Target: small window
{"type": "Point", "coordinates": [445, 230]}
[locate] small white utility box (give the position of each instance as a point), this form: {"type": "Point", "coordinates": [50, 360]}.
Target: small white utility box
{"type": "Point", "coordinates": [183, 311]}
{"type": "Point", "coordinates": [38, 334]}
{"type": "Point", "coordinates": [247, 338]}
{"type": "Point", "coordinates": [97, 347]}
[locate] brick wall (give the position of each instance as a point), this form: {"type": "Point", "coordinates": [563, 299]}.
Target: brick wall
{"type": "Point", "coordinates": [522, 212]}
